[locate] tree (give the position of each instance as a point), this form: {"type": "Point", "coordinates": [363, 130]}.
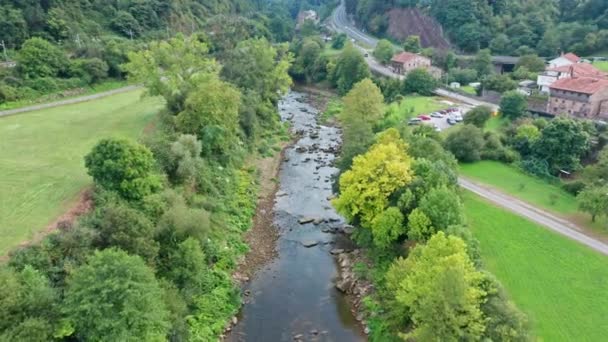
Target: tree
{"type": "Point", "coordinates": [483, 62]}
{"type": "Point", "coordinates": [13, 28]}
{"type": "Point", "coordinates": [463, 76]}
{"type": "Point", "coordinates": [384, 51]}
{"type": "Point", "coordinates": [363, 107]}
{"type": "Point", "coordinates": [123, 166]}
{"type": "Point", "coordinates": [258, 65]}
{"type": "Point", "coordinates": [594, 200]}
{"type": "Point", "coordinates": [442, 290]}
{"type": "Point", "coordinates": [172, 69]}
{"type": "Point", "coordinates": [125, 24]}
{"type": "Point", "coordinates": [307, 56]}
{"type": "Point", "coordinates": [339, 41]}
{"type": "Point", "coordinates": [365, 188]}
{"type": "Point", "coordinates": [597, 173]}
{"type": "Point", "coordinates": [419, 226]}
{"type": "Point", "coordinates": [478, 116]}
{"type": "Point", "coordinates": [388, 227]}
{"type": "Point", "coordinates": [443, 207]}
{"type": "Point", "coordinates": [412, 44]}
{"type": "Point", "coordinates": [126, 228]}
{"type": "Point", "coordinates": [350, 68]}
{"type": "Point", "coordinates": [39, 58]}
{"type": "Point", "coordinates": [28, 306]}
{"type": "Point", "coordinates": [562, 143]}
{"type": "Point", "coordinates": [213, 105]}
{"type": "Point", "coordinates": [499, 83]}
{"type": "Point", "coordinates": [504, 322]}
{"type": "Point", "coordinates": [465, 143]}
{"type": "Point", "coordinates": [525, 137]}
{"type": "Point", "coordinates": [500, 44]}
{"type": "Point", "coordinates": [186, 156]}
{"type": "Point", "coordinates": [421, 82]}
{"type": "Point", "coordinates": [115, 297]}
{"type": "Point", "coordinates": [513, 104]}
{"type": "Point", "coordinates": [531, 62]}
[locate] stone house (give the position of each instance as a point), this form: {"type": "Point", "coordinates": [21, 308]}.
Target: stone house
{"type": "Point", "coordinates": [552, 74]}
{"type": "Point", "coordinates": [564, 59]}
{"type": "Point", "coordinates": [404, 62]}
{"type": "Point", "coordinates": [579, 96]}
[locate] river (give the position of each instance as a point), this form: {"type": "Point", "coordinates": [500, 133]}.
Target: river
{"type": "Point", "coordinates": [293, 297]}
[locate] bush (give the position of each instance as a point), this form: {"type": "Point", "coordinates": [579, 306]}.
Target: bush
{"type": "Point", "coordinates": [478, 116]}
{"type": "Point", "coordinates": [8, 93]}
{"type": "Point", "coordinates": [574, 187]}
{"type": "Point", "coordinates": [43, 84]}
{"type": "Point", "coordinates": [463, 76]}
{"type": "Point", "coordinates": [535, 167]}
{"type": "Point", "coordinates": [465, 143]}
{"type": "Point", "coordinates": [89, 70]}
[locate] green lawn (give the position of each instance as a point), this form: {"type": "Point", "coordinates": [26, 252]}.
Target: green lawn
{"type": "Point", "coordinates": [469, 90]}
{"type": "Point", "coordinates": [515, 182]}
{"type": "Point", "coordinates": [560, 284]}
{"type": "Point", "coordinates": [602, 65]}
{"type": "Point", "coordinates": [330, 51]}
{"type": "Point", "coordinates": [41, 158]}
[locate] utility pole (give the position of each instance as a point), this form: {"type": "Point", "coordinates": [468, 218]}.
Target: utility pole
{"type": "Point", "coordinates": [4, 50]}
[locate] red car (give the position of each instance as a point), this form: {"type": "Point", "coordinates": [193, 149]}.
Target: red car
{"type": "Point", "coordinates": [424, 117]}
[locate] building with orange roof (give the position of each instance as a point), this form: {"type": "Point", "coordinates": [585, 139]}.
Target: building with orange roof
{"type": "Point", "coordinates": [552, 74]}
{"type": "Point", "coordinates": [579, 96]}
{"type": "Point", "coordinates": [564, 59]}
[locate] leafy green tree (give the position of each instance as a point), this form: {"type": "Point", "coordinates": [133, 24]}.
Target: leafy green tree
{"type": "Point", "coordinates": [307, 57]}
{"type": "Point", "coordinates": [90, 70]}
{"type": "Point", "coordinates": [443, 207]}
{"type": "Point", "coordinates": [365, 188]}
{"type": "Point", "coordinates": [597, 173]}
{"type": "Point", "coordinates": [363, 107]}
{"type": "Point", "coordinates": [562, 143]}
{"type": "Point", "coordinates": [388, 227]}
{"type": "Point", "coordinates": [412, 44]}
{"type": "Point", "coordinates": [339, 41]}
{"type": "Point", "coordinates": [115, 297]}
{"type": "Point", "coordinates": [525, 137]}
{"type": "Point", "coordinates": [126, 228]}
{"type": "Point", "coordinates": [419, 226]}
{"type": "Point", "coordinates": [172, 69]}
{"type": "Point", "coordinates": [28, 306]}
{"type": "Point", "coordinates": [531, 62]}
{"type": "Point", "coordinates": [513, 104]}
{"type": "Point", "coordinates": [463, 76]}
{"type": "Point", "coordinates": [504, 322]}
{"type": "Point", "coordinates": [478, 116]}
{"type": "Point", "coordinates": [256, 64]}
{"type": "Point", "coordinates": [186, 156]}
{"type": "Point", "coordinates": [500, 44]}
{"type": "Point", "coordinates": [421, 82]}
{"type": "Point", "coordinates": [465, 143]}
{"type": "Point", "coordinates": [594, 200]}
{"type": "Point", "coordinates": [384, 51]}
{"type": "Point", "coordinates": [439, 285]}
{"type": "Point", "coordinates": [39, 58]}
{"type": "Point", "coordinates": [13, 27]}
{"type": "Point", "coordinates": [483, 62]}
{"type": "Point", "coordinates": [499, 83]}
{"type": "Point", "coordinates": [189, 269]}
{"type": "Point", "coordinates": [125, 24]}
{"type": "Point", "coordinates": [123, 166]}
{"type": "Point", "coordinates": [350, 68]}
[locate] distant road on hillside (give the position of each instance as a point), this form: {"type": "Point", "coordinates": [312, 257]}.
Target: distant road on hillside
{"type": "Point", "coordinates": [67, 101]}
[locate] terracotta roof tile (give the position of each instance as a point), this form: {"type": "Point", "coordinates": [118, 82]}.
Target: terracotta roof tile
{"type": "Point", "coordinates": [585, 85]}
{"type": "Point", "coordinates": [580, 69]}
{"type": "Point", "coordinates": [572, 57]}
{"type": "Point", "coordinates": [404, 57]}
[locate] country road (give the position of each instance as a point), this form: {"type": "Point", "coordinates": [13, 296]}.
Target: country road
{"type": "Point", "coordinates": [67, 101]}
{"type": "Point", "coordinates": [340, 22]}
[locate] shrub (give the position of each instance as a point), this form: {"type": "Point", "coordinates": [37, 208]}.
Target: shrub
{"type": "Point", "coordinates": [43, 84]}
{"type": "Point", "coordinates": [574, 187]}
{"type": "Point", "coordinates": [465, 143]}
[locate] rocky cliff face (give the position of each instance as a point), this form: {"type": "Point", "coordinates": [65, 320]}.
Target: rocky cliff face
{"type": "Point", "coordinates": [404, 22]}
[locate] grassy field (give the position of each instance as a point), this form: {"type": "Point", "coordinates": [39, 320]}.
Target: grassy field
{"type": "Point", "coordinates": [41, 158]}
{"type": "Point", "coordinates": [560, 284]}
{"type": "Point", "coordinates": [602, 65]}
{"type": "Point", "coordinates": [515, 182]}
{"type": "Point", "coordinates": [533, 190]}
{"type": "Point", "coordinates": [469, 90]}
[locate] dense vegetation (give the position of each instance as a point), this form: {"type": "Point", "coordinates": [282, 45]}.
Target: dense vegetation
{"type": "Point", "coordinates": [153, 260]}
{"type": "Point", "coordinates": [63, 45]}
{"type": "Point", "coordinates": [401, 193]}
{"type": "Point", "coordinates": [507, 27]}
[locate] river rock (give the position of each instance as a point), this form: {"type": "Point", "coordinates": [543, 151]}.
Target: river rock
{"type": "Point", "coordinates": [336, 251]}
{"type": "Point", "coordinates": [281, 194]}
{"type": "Point", "coordinates": [300, 149]}
{"type": "Point", "coordinates": [344, 285]}
{"type": "Point", "coordinates": [314, 135]}
{"type": "Point", "coordinates": [317, 221]}
{"type": "Point", "coordinates": [309, 243]}
{"type": "Point", "coordinates": [298, 336]}
{"type": "Point", "coordinates": [234, 320]}
{"type": "Point", "coordinates": [305, 220]}
{"type": "Point", "coordinates": [347, 229]}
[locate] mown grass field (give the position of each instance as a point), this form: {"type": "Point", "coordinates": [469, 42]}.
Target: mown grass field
{"type": "Point", "coordinates": [602, 65]}
{"type": "Point", "coordinates": [41, 158]}
{"type": "Point", "coordinates": [560, 284]}
{"type": "Point", "coordinates": [536, 191]}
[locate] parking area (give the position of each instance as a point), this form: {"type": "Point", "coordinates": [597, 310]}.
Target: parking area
{"type": "Point", "coordinates": [440, 120]}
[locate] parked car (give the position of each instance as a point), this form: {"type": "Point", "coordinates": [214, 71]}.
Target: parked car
{"type": "Point", "coordinates": [451, 121]}
{"type": "Point", "coordinates": [458, 117]}
{"type": "Point", "coordinates": [424, 117]}
{"type": "Point", "coordinates": [414, 121]}
{"type": "Point", "coordinates": [436, 115]}
{"type": "Point", "coordinates": [366, 55]}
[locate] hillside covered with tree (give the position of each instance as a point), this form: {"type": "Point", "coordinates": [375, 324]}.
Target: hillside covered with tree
{"type": "Point", "coordinates": [510, 27]}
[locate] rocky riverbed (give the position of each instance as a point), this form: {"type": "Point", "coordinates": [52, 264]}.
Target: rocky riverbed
{"type": "Point", "coordinates": [301, 294]}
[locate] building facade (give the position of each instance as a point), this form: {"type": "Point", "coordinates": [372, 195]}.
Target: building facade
{"type": "Point", "coordinates": [552, 74]}
{"type": "Point", "coordinates": [563, 60]}
{"type": "Point", "coordinates": [579, 96]}
{"type": "Point", "coordinates": [405, 62]}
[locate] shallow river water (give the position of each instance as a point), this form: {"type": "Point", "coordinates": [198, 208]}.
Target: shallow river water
{"type": "Point", "coordinates": [294, 295]}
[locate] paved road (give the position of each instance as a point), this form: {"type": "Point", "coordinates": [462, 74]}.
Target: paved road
{"type": "Point", "coordinates": [339, 22]}
{"type": "Point", "coordinates": [66, 102]}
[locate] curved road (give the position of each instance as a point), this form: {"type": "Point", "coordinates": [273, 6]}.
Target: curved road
{"type": "Point", "coordinates": [340, 22]}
